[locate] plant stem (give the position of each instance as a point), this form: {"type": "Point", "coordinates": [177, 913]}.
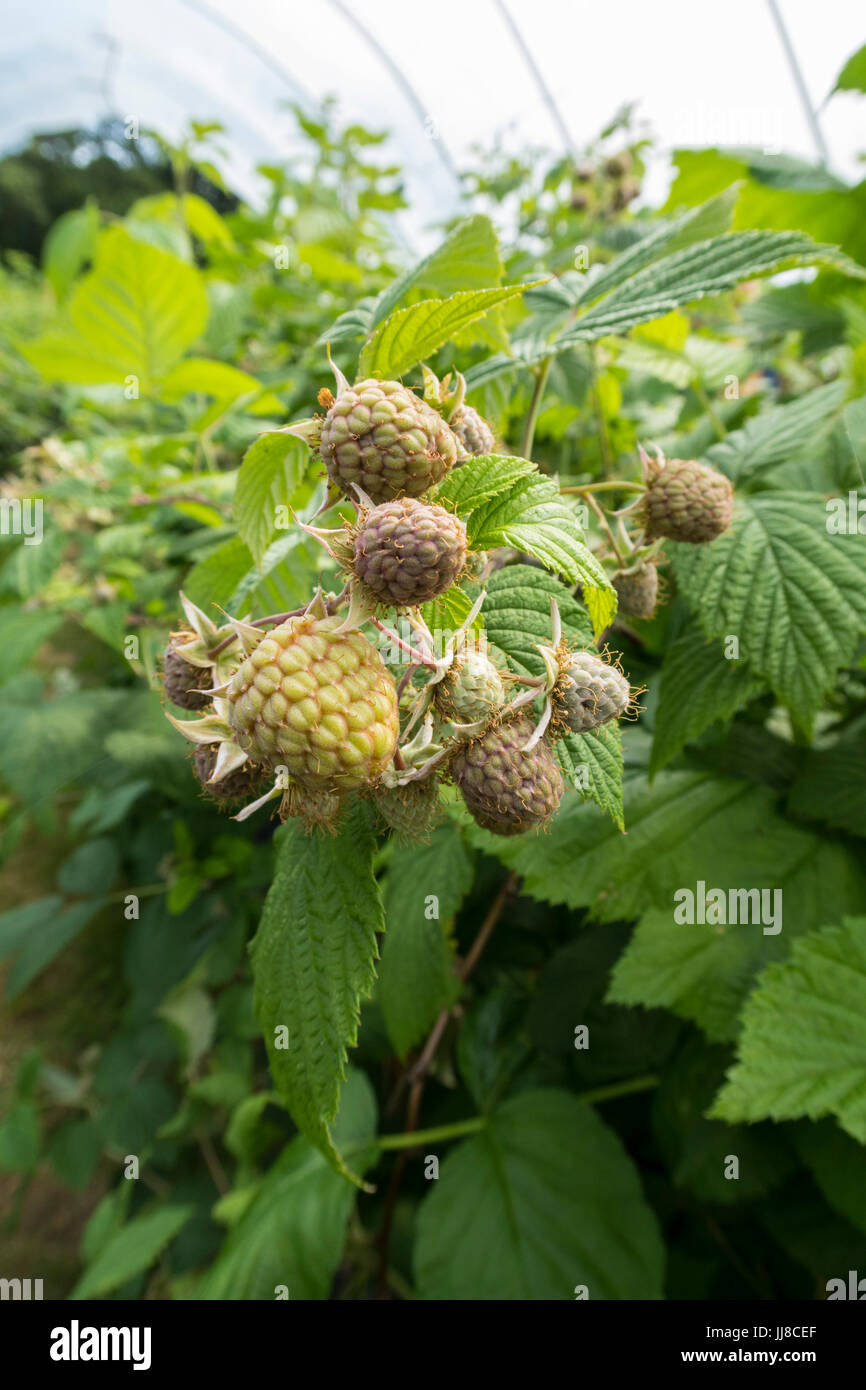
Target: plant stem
{"type": "Point", "coordinates": [609, 485]}
{"type": "Point", "coordinates": [534, 406]}
{"type": "Point", "coordinates": [705, 401]}
{"type": "Point", "coordinates": [413, 1138]}
{"type": "Point", "coordinates": [619, 1088]}
{"type": "Point", "coordinates": [605, 526]}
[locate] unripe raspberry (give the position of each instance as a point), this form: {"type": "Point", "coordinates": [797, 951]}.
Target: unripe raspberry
{"type": "Point", "coordinates": [618, 164]}
{"type": "Point", "coordinates": [407, 552]}
{"type": "Point", "coordinates": [637, 592]}
{"type": "Point", "coordinates": [319, 702]}
{"type": "Point", "coordinates": [473, 431]}
{"type": "Point", "coordinates": [410, 811]}
{"type": "Point", "coordinates": [184, 683]}
{"type": "Point", "coordinates": [506, 790]}
{"type": "Point", "coordinates": [380, 435]}
{"type": "Point", "coordinates": [242, 784]}
{"type": "Point", "coordinates": [472, 690]}
{"type": "Point", "coordinates": [687, 501]}
{"type": "Point", "coordinates": [590, 693]}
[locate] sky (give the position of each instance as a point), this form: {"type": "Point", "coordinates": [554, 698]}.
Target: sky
{"type": "Point", "coordinates": [441, 78]}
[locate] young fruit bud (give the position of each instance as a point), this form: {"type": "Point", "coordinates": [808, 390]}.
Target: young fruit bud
{"type": "Point", "coordinates": [506, 790]}
{"type": "Point", "coordinates": [637, 591]}
{"type": "Point", "coordinates": [382, 437]}
{"type": "Point", "coordinates": [406, 552]}
{"type": "Point", "coordinates": [471, 691]}
{"type": "Point", "coordinates": [473, 431]}
{"type": "Point", "coordinates": [589, 693]}
{"type": "Point", "coordinates": [618, 164]}
{"type": "Point", "coordinates": [318, 702]}
{"type": "Point", "coordinates": [687, 501]}
{"type": "Point", "coordinates": [410, 811]}
{"type": "Point", "coordinates": [240, 785]}
{"type": "Point", "coordinates": [184, 683]}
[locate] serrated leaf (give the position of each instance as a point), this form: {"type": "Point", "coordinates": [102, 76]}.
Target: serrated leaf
{"type": "Point", "coordinates": [697, 272]}
{"type": "Point", "coordinates": [480, 479]}
{"type": "Point", "coordinates": [704, 972]}
{"type": "Point", "coordinates": [293, 1232]}
{"type": "Point", "coordinates": [779, 435]}
{"type": "Point", "coordinates": [134, 314]}
{"type": "Point", "coordinates": [272, 469]}
{"type": "Point", "coordinates": [699, 687]}
{"type": "Point", "coordinates": [695, 225]}
{"type": "Point", "coordinates": [132, 1249]}
{"type": "Point", "coordinates": [517, 615]}
{"type": "Point", "coordinates": [545, 1198]}
{"type": "Point", "coordinates": [592, 764]}
{"type": "Point", "coordinates": [533, 517]}
{"type": "Point", "coordinates": [413, 334]}
{"type": "Point", "coordinates": [313, 962]}
{"type": "Point", "coordinates": [417, 978]}
{"type": "Point", "coordinates": [792, 593]}
{"type": "Point", "coordinates": [468, 259]}
{"type": "Point", "coordinates": [803, 1047]}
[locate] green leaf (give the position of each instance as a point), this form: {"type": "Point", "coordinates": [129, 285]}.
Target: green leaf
{"type": "Point", "coordinates": [20, 1138]}
{"type": "Point", "coordinates": [832, 786]}
{"type": "Point", "coordinates": [704, 972]}
{"type": "Point", "coordinates": [852, 78]}
{"type": "Point", "coordinates": [482, 478]}
{"type": "Point", "coordinates": [592, 764]}
{"type": "Point", "coordinates": [779, 435]}
{"type": "Point", "coordinates": [695, 225]}
{"type": "Point", "coordinates": [413, 334]}
{"type": "Point", "coordinates": [226, 384]}
{"type": "Point", "coordinates": [417, 978]}
{"type": "Point", "coordinates": [836, 1163]}
{"type": "Point", "coordinates": [71, 242]}
{"type": "Point", "coordinates": [273, 469]}
{"type": "Point", "coordinates": [133, 315]}
{"type": "Point", "coordinates": [803, 1047]}
{"type": "Point", "coordinates": [22, 633]}
{"type": "Point", "coordinates": [468, 259]}
{"type": "Point", "coordinates": [696, 1149]}
{"type": "Point", "coordinates": [313, 962]}
{"type": "Point", "coordinates": [215, 579]}
{"type": "Point", "coordinates": [131, 1250]}
{"type": "Point", "coordinates": [204, 221]}
{"type": "Point", "coordinates": [543, 1200]}
{"type": "Point", "coordinates": [533, 517]}
{"type": "Point", "coordinates": [698, 688]}
{"type": "Point", "coordinates": [517, 615]}
{"type": "Point", "coordinates": [696, 272]}
{"type": "Point", "coordinates": [294, 1230]}
{"type": "Point", "coordinates": [791, 592]}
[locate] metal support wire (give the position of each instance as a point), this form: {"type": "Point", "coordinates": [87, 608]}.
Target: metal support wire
{"type": "Point", "coordinates": [536, 73]}
{"type": "Point", "coordinates": [799, 83]}
{"type": "Point", "coordinates": [421, 111]}
{"type": "Point", "coordinates": [235, 31]}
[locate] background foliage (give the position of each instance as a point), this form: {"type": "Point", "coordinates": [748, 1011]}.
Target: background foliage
{"type": "Point", "coordinates": [148, 340]}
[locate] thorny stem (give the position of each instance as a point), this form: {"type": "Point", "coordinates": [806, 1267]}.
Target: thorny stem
{"type": "Point", "coordinates": [534, 406]}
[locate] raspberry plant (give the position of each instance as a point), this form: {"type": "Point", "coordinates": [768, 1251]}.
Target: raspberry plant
{"type": "Point", "coordinates": [448, 676]}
